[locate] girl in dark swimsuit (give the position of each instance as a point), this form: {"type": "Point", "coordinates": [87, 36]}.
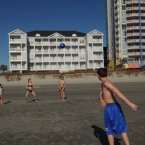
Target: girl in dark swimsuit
{"type": "Point", "coordinates": [30, 89]}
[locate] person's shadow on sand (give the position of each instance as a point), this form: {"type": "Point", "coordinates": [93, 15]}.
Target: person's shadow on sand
{"type": "Point", "coordinates": [7, 102]}
{"type": "Point", "coordinates": [101, 134]}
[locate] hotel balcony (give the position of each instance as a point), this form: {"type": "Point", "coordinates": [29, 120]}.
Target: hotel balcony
{"type": "Point", "coordinates": [53, 59]}
{"type": "Point", "coordinates": [137, 54]}
{"type": "Point", "coordinates": [18, 67]}
{"type": "Point", "coordinates": [133, 47]}
{"type": "Point", "coordinates": [131, 8]}
{"type": "Point", "coordinates": [45, 51]}
{"type": "Point", "coordinates": [16, 50]}
{"type": "Point", "coordinates": [133, 15]}
{"type": "Point", "coordinates": [133, 40]}
{"type": "Point", "coordinates": [38, 59]}
{"type": "Point", "coordinates": [38, 51]}
{"type": "Point", "coordinates": [135, 28]}
{"type": "Point", "coordinates": [38, 43]}
{"type": "Point", "coordinates": [133, 31]}
{"type": "Point", "coordinates": [134, 2]}
{"type": "Point", "coordinates": [67, 51]}
{"type": "Point", "coordinates": [15, 58]}
{"type": "Point", "coordinates": [132, 21]}
{"type": "Point", "coordinates": [17, 41]}
{"type": "Point", "coordinates": [46, 59]}
{"type": "Point", "coordinates": [60, 51]}
{"type": "Point", "coordinates": [131, 2]}
{"type": "Point", "coordinates": [53, 51]}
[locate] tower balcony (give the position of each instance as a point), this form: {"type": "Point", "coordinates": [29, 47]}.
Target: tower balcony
{"type": "Point", "coordinates": [133, 34]}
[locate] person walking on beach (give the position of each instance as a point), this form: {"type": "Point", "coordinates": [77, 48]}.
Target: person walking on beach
{"type": "Point", "coordinates": [1, 95]}
{"type": "Point", "coordinates": [30, 90]}
{"type": "Point", "coordinates": [114, 120]}
{"type": "Point", "coordinates": [61, 87]}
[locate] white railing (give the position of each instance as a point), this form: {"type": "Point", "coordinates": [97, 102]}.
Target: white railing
{"type": "Point", "coordinates": [135, 40]}
{"type": "Point", "coordinates": [133, 47]}
{"type": "Point", "coordinates": [133, 34]}
{"type": "Point", "coordinates": [133, 27]}
{"type": "Point", "coordinates": [17, 41]}
{"type": "Point", "coordinates": [135, 53]}
{"type": "Point", "coordinates": [15, 58]}
{"type": "Point", "coordinates": [132, 21]}
{"type": "Point", "coordinates": [131, 1]}
{"type": "Point", "coordinates": [133, 14]}
{"type": "Point", "coordinates": [132, 8]}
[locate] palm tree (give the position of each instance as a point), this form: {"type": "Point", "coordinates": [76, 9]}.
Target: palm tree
{"type": "Point", "coordinates": [3, 68]}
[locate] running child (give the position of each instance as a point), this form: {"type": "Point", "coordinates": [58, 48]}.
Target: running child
{"type": "Point", "coordinates": [30, 90]}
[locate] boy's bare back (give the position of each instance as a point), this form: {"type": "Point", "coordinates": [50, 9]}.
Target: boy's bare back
{"type": "Point", "coordinates": [107, 94]}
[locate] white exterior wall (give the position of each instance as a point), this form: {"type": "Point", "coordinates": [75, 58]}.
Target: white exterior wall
{"type": "Point", "coordinates": [18, 51]}
{"type": "Point", "coordinates": [95, 55]}
{"type": "Point", "coordinates": [44, 53]}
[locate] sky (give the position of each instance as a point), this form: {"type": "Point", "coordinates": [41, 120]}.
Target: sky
{"type": "Point", "coordinates": [28, 15]}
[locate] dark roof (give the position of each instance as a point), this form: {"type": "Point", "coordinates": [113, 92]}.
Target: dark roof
{"type": "Point", "coordinates": [48, 33]}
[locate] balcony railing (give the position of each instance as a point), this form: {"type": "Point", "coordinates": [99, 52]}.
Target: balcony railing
{"type": "Point", "coordinates": [135, 53]}
{"type": "Point", "coordinates": [17, 41]}
{"type": "Point", "coordinates": [15, 58]}
{"type": "Point", "coordinates": [132, 8]}
{"type": "Point", "coordinates": [133, 40]}
{"type": "Point", "coordinates": [133, 34]}
{"type": "Point", "coordinates": [132, 14]}
{"type": "Point", "coordinates": [132, 21]}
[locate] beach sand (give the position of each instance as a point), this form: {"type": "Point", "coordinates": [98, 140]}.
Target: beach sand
{"type": "Point", "coordinates": [81, 79]}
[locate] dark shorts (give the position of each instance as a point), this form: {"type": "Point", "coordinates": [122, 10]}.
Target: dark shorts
{"type": "Point", "coordinates": [115, 123]}
{"type": "Point", "coordinates": [30, 91]}
{"type": "Point", "coordinates": [62, 89]}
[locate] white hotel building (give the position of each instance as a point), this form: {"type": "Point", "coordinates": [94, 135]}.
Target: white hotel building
{"type": "Point", "coordinates": [40, 50]}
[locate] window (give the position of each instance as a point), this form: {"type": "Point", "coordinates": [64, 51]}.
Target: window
{"type": "Point", "coordinates": [15, 37]}
{"type": "Point", "coordinates": [45, 40]}
{"type": "Point", "coordinates": [37, 40]}
{"type": "Point", "coordinates": [123, 7]}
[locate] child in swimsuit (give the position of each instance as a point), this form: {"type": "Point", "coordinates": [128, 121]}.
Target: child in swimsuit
{"type": "Point", "coordinates": [61, 86]}
{"type": "Point", "coordinates": [115, 123]}
{"type": "Point", "coordinates": [1, 94]}
{"type": "Point", "coordinates": [30, 90]}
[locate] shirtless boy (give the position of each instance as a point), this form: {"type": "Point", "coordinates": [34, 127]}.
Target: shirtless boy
{"type": "Point", "coordinates": [114, 120]}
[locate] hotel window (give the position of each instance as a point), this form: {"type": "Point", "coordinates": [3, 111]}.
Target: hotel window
{"type": "Point", "coordinates": [90, 44]}
{"type": "Point", "coordinates": [59, 40]}
{"type": "Point", "coordinates": [123, 7]}
{"type": "Point", "coordinates": [74, 40]}
{"type": "Point", "coordinates": [67, 40]}
{"type": "Point", "coordinates": [81, 41]}
{"type": "Point", "coordinates": [45, 40]}
{"type": "Point", "coordinates": [52, 40]}
{"type": "Point", "coordinates": [15, 37]}
{"type": "Point", "coordinates": [37, 40]}
{"type": "Point", "coordinates": [94, 37]}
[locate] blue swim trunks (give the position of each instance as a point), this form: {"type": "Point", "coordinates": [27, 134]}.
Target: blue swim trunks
{"type": "Point", "coordinates": [115, 123]}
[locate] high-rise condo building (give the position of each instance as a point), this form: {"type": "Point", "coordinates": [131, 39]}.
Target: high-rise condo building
{"type": "Point", "coordinates": [126, 32]}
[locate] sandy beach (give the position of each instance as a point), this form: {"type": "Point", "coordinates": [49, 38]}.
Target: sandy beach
{"type": "Point", "coordinates": [78, 79]}
{"type": "Point", "coordinates": [77, 121]}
